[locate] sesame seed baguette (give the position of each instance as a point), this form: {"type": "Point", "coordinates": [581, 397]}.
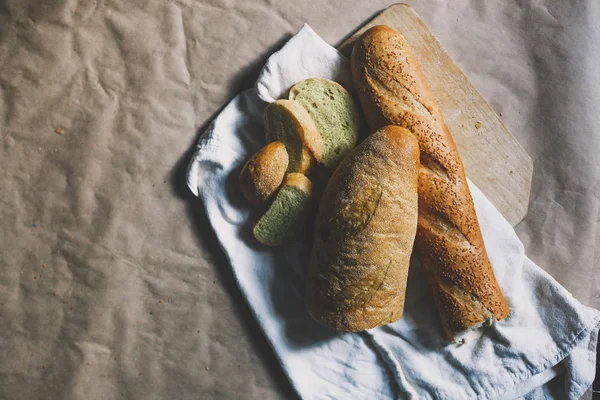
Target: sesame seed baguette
{"type": "Point", "coordinates": [392, 90]}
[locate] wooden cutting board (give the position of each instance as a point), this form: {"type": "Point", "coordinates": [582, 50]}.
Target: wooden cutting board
{"type": "Point", "coordinates": [492, 157]}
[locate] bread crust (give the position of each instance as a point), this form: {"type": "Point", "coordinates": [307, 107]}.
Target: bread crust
{"type": "Point", "coordinates": [263, 173]}
{"type": "Point", "coordinates": [364, 234]}
{"type": "Point", "coordinates": [392, 90]}
{"type": "Point", "coordinates": [300, 182]}
{"type": "Point", "coordinates": [315, 144]}
{"type": "Point", "coordinates": [305, 128]}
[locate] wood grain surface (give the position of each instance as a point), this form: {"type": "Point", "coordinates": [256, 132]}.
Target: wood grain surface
{"type": "Point", "coordinates": [492, 157]}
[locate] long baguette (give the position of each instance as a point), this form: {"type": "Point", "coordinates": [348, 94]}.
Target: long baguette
{"type": "Point", "coordinates": [392, 90]}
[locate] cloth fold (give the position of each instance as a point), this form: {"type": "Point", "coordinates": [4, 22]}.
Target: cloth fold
{"type": "Point", "coordinates": [548, 334]}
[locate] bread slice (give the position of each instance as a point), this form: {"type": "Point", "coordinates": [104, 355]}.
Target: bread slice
{"type": "Point", "coordinates": [289, 123]}
{"type": "Point", "coordinates": [263, 173]}
{"type": "Point", "coordinates": [335, 113]}
{"type": "Point", "coordinates": [284, 220]}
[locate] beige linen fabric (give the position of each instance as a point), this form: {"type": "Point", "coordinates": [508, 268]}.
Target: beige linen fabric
{"type": "Point", "coordinates": [112, 284]}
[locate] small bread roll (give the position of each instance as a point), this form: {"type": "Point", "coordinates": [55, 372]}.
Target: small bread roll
{"type": "Point", "coordinates": [263, 173]}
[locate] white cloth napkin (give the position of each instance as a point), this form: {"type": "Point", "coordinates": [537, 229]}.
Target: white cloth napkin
{"type": "Point", "coordinates": [547, 333]}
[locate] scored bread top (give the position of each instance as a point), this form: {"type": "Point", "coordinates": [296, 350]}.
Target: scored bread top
{"type": "Point", "coordinates": [392, 90]}
{"type": "Point", "coordinates": [364, 234]}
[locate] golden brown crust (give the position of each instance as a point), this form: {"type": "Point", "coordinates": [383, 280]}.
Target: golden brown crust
{"type": "Point", "coordinates": [393, 90]}
{"type": "Point", "coordinates": [263, 173]}
{"type": "Point", "coordinates": [364, 234]}
{"type": "Point", "coordinates": [300, 181]}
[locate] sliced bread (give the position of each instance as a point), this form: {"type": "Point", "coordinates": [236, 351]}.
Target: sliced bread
{"type": "Point", "coordinates": [284, 220]}
{"type": "Point", "coordinates": [288, 122]}
{"type": "Point", "coordinates": [263, 173]}
{"type": "Point", "coordinates": [335, 114]}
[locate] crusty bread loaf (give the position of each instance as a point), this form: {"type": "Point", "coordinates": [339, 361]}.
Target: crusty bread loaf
{"type": "Point", "coordinates": [364, 234]}
{"type": "Point", "coordinates": [392, 90]}
{"type": "Point", "coordinates": [284, 220]}
{"type": "Point", "coordinates": [263, 173]}
{"type": "Point", "coordinates": [288, 122]}
{"type": "Point", "coordinates": [336, 116]}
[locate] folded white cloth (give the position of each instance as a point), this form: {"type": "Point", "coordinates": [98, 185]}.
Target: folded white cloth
{"type": "Point", "coordinates": [547, 333]}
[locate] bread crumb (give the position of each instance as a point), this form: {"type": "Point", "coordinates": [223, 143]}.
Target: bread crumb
{"type": "Point", "coordinates": [477, 124]}
{"type": "Point", "coordinates": [43, 265]}
{"type": "Point", "coordinates": [60, 131]}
